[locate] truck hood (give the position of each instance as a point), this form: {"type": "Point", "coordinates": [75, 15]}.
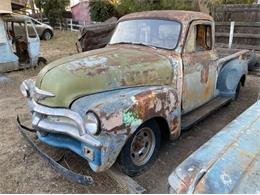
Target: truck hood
{"type": "Point", "coordinates": [101, 70]}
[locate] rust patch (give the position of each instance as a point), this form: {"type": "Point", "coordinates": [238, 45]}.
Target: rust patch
{"type": "Point", "coordinates": [145, 103]}
{"type": "Point", "coordinates": [97, 70]}
{"type": "Point", "coordinates": [183, 16]}
{"type": "Point", "coordinates": [175, 123]}
{"type": "Point", "coordinates": [204, 74]}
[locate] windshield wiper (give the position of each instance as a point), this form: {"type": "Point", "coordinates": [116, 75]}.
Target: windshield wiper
{"type": "Point", "coordinates": [142, 44]}
{"type": "Point", "coordinates": [122, 42]}
{"type": "Point", "coordinates": [134, 43]}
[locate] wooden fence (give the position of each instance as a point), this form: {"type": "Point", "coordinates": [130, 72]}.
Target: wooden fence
{"type": "Point", "coordinates": [246, 33]}
{"type": "Point", "coordinates": [68, 24]}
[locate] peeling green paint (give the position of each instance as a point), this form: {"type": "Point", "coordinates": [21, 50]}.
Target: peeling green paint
{"type": "Point", "coordinates": [101, 70]}
{"type": "Point", "coordinates": [130, 118]}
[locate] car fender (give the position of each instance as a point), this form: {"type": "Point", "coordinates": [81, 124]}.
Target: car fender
{"type": "Point", "coordinates": [122, 111]}
{"type": "Point", "coordinates": [230, 75]}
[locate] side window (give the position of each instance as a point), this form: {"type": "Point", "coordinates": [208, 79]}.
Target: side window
{"type": "Point", "coordinates": [199, 39]}
{"type": "Point", "coordinates": [19, 29]}
{"type": "Point", "coordinates": [203, 38]}
{"type": "Point", "coordinates": [2, 34]}
{"type": "Point", "coordinates": [31, 31]}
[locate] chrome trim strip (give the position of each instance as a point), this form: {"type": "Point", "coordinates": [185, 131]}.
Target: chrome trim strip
{"type": "Point", "coordinates": [60, 112]}
{"type": "Point", "coordinates": [29, 87]}
{"type": "Point", "coordinates": [42, 94]}
{"type": "Point", "coordinates": [66, 129]}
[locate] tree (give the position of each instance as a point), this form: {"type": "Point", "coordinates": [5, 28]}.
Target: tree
{"type": "Point", "coordinates": [53, 9]}
{"type": "Point", "coordinates": [31, 2]}
{"type": "Point", "coordinates": [128, 6]}
{"type": "Point", "coordinates": [100, 10]}
{"type": "Point", "coordinates": [103, 9]}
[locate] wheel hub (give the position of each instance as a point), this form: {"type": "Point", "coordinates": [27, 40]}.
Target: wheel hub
{"type": "Point", "coordinates": [143, 146]}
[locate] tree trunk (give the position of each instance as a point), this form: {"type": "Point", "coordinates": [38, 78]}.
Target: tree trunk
{"type": "Point", "coordinates": [195, 5]}
{"type": "Point", "coordinates": [31, 2]}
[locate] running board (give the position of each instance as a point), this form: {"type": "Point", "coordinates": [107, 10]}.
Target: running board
{"type": "Point", "coordinates": [193, 117]}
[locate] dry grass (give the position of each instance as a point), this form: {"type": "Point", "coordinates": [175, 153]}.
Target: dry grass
{"type": "Point", "coordinates": [62, 44]}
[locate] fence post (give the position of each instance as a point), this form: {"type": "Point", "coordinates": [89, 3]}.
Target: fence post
{"type": "Point", "coordinates": [71, 28]}
{"type": "Point", "coordinates": [231, 34]}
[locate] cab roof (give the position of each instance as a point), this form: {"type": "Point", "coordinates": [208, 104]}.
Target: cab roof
{"type": "Point", "coordinates": [178, 15]}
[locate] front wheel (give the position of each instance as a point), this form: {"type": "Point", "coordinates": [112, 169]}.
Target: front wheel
{"type": "Point", "coordinates": [47, 35]}
{"type": "Point", "coordinates": [140, 151]}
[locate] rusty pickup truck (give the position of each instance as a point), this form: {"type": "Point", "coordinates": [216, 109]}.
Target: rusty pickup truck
{"type": "Point", "coordinates": [159, 74]}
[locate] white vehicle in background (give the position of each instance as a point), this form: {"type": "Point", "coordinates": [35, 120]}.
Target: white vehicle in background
{"type": "Point", "coordinates": [19, 43]}
{"type": "Point", "coordinates": [44, 31]}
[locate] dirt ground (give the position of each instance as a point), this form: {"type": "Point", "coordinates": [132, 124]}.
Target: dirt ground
{"type": "Point", "coordinates": [23, 171]}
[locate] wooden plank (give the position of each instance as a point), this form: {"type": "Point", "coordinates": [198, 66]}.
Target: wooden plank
{"type": "Point", "coordinates": [239, 46]}
{"type": "Point", "coordinates": [239, 35]}
{"type": "Point", "coordinates": [240, 9]}
{"type": "Point", "coordinates": [247, 24]}
{"type": "Point", "coordinates": [125, 181]}
{"type": "Point", "coordinates": [254, 72]}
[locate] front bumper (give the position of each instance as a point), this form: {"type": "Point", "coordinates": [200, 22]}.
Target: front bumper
{"type": "Point", "coordinates": [59, 127]}
{"type": "Point", "coordinates": [65, 128]}
{"type": "Point", "coordinates": [75, 177]}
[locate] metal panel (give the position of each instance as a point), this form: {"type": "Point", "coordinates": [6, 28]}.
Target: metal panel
{"type": "Point", "coordinates": [8, 60]}
{"type": "Point", "coordinates": [227, 163]}
{"type": "Point", "coordinates": [33, 42]}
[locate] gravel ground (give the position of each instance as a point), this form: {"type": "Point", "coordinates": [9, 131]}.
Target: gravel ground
{"type": "Point", "coordinates": [23, 171]}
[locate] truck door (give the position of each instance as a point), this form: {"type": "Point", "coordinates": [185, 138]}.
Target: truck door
{"type": "Point", "coordinates": [8, 60]}
{"type": "Point", "coordinates": [200, 65]}
{"type": "Point", "coordinates": [33, 42]}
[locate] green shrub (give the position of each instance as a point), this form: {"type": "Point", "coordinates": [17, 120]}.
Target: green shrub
{"type": "Point", "coordinates": [129, 6]}
{"type": "Point", "coordinates": [236, 1]}
{"type": "Point", "coordinates": [101, 10]}
{"type": "Point", "coordinates": [176, 4]}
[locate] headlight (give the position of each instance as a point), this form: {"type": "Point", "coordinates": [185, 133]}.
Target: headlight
{"type": "Point", "coordinates": [92, 123]}
{"type": "Point", "coordinates": [24, 89]}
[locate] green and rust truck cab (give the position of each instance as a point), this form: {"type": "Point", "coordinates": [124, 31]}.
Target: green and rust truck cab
{"type": "Point", "coordinates": [159, 74]}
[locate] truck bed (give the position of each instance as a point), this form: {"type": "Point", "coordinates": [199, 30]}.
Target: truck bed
{"type": "Point", "coordinates": [224, 52]}
{"type": "Point", "coordinates": [226, 55]}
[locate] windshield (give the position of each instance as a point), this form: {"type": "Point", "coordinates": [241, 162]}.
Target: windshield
{"type": "Point", "coordinates": [150, 32]}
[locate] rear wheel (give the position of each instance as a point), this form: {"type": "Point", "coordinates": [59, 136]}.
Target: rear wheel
{"type": "Point", "coordinates": [41, 61]}
{"type": "Point", "coordinates": [141, 150]}
{"type": "Point", "coordinates": [237, 90]}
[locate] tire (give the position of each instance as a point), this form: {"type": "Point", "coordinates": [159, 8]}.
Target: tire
{"type": "Point", "coordinates": [141, 149]}
{"type": "Point", "coordinates": [47, 35]}
{"type": "Point", "coordinates": [237, 91]}
{"type": "Point", "coordinates": [41, 61]}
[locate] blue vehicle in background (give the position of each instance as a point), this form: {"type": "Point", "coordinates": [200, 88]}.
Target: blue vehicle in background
{"type": "Point", "coordinates": [228, 163]}
{"type": "Point", "coordinates": [19, 44]}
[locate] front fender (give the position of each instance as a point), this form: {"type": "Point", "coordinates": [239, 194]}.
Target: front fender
{"type": "Point", "coordinates": [122, 111]}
